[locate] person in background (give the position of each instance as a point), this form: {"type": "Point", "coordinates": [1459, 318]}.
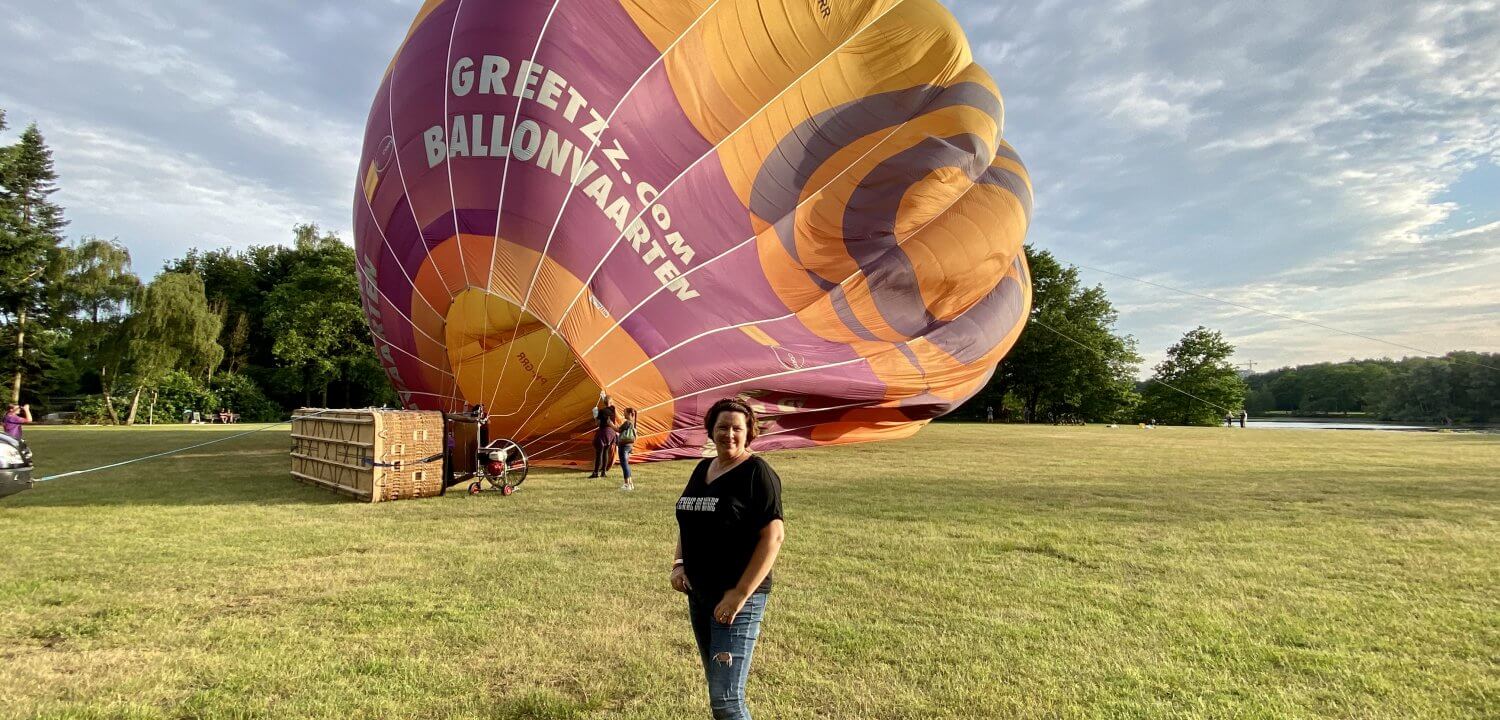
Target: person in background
{"type": "Point", "coordinates": [1244, 415]}
{"type": "Point", "coordinates": [624, 444]}
{"type": "Point", "coordinates": [730, 531]}
{"type": "Point", "coordinates": [604, 436]}
{"type": "Point", "coordinates": [15, 417]}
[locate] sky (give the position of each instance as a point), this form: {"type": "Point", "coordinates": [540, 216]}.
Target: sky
{"type": "Point", "coordinates": [1335, 162]}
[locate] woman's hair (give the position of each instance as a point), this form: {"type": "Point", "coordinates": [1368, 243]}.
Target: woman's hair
{"type": "Point", "coordinates": [752, 428]}
{"type": "Point", "coordinates": [629, 413]}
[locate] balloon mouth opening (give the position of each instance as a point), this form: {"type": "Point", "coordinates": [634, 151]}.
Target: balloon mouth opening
{"type": "Point", "coordinates": [531, 381]}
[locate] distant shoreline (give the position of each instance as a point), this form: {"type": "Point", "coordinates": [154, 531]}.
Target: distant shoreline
{"type": "Point", "coordinates": [1356, 423]}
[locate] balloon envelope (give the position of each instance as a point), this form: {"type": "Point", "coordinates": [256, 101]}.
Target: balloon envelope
{"type": "Point", "coordinates": [810, 205]}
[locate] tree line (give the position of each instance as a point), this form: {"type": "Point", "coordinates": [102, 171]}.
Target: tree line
{"type": "Point", "coordinates": [1462, 387]}
{"type": "Point", "coordinates": [256, 331]}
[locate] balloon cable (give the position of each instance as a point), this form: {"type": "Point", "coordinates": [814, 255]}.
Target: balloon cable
{"type": "Point", "coordinates": [1155, 380]}
{"type": "Point", "coordinates": [1283, 317]}
{"type": "Point", "coordinates": [172, 452]}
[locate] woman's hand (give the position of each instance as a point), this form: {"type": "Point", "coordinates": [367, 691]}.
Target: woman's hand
{"type": "Point", "coordinates": [730, 606]}
{"type": "Point", "coordinates": [679, 579]}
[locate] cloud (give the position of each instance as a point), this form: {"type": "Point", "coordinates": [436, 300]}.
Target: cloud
{"type": "Point", "coordinates": [161, 192]}
{"type": "Point", "coordinates": [1300, 158]}
{"type": "Point", "coordinates": [1288, 157]}
{"type": "Point", "coordinates": [1151, 104]}
{"type": "Point", "coordinates": [222, 124]}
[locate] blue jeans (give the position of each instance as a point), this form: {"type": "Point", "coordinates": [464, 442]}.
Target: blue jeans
{"type": "Point", "coordinates": [726, 650]}
{"type": "Point", "coordinates": [624, 451]}
{"type": "Point", "coordinates": [602, 452]}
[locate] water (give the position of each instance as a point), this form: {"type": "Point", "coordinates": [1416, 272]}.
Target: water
{"type": "Point", "coordinates": [1305, 424]}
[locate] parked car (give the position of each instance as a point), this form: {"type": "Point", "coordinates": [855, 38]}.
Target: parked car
{"type": "Point", "coordinates": [15, 465]}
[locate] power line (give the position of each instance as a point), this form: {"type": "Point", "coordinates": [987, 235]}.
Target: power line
{"type": "Point", "coordinates": [1284, 317]}
{"type": "Point", "coordinates": [1064, 336]}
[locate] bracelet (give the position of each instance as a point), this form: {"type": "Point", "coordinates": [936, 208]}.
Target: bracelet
{"type": "Point", "coordinates": [678, 561]}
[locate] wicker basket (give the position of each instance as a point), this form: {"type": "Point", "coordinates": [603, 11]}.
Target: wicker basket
{"type": "Point", "coordinates": [373, 455]}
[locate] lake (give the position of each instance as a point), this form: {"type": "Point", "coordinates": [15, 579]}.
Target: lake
{"type": "Point", "coordinates": [1334, 424]}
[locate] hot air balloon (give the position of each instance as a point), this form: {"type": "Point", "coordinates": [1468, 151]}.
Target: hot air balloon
{"type": "Point", "coordinates": [810, 205]}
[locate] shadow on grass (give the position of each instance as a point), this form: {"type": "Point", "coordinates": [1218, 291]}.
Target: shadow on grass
{"type": "Point", "coordinates": [171, 486]}
{"type": "Point", "coordinates": [250, 470]}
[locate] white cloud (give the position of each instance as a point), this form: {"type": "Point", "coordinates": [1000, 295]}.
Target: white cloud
{"type": "Point", "coordinates": [1149, 104]}
{"type": "Point", "coordinates": [1286, 156]}
{"type": "Point", "coordinates": [147, 185]}
{"type": "Point", "coordinates": [1291, 156]}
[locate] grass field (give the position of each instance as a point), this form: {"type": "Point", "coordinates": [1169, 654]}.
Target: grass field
{"type": "Point", "coordinates": [972, 572]}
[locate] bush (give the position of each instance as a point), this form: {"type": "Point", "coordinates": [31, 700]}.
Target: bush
{"type": "Point", "coordinates": [240, 394]}
{"type": "Point", "coordinates": [177, 394]}
{"type": "Point", "coordinates": [91, 411]}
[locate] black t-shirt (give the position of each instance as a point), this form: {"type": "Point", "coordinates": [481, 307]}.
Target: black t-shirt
{"type": "Point", "coordinates": [719, 523]}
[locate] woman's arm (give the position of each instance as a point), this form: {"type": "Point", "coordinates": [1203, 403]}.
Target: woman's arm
{"type": "Point", "coordinates": [679, 571]}
{"type": "Point", "coordinates": [766, 549]}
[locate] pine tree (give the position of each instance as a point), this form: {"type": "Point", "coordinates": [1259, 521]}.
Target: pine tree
{"type": "Point", "coordinates": [30, 242]}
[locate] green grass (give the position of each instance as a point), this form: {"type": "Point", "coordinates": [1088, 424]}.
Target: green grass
{"type": "Point", "coordinates": [976, 571]}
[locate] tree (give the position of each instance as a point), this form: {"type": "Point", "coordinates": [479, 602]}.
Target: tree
{"type": "Point", "coordinates": [1458, 387]}
{"type": "Point", "coordinates": [1068, 361]}
{"type": "Point", "coordinates": [1195, 384]}
{"type": "Point", "coordinates": [99, 282]}
{"type": "Point", "coordinates": [30, 243]}
{"type": "Point", "coordinates": [172, 328]}
{"type": "Point", "coordinates": [94, 298]}
{"type": "Point", "coordinates": [1287, 388]}
{"type": "Point", "coordinates": [293, 322]}
{"type": "Point", "coordinates": [316, 318]}
{"type": "Point", "coordinates": [1260, 401]}
{"type": "Point", "coordinates": [1477, 381]}
{"type": "Point", "coordinates": [236, 286]}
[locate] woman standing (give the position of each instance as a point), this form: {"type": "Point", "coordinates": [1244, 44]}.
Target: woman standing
{"type": "Point", "coordinates": [604, 436]}
{"type": "Point", "coordinates": [624, 445]}
{"type": "Point", "coordinates": [15, 417]}
{"type": "Point", "coordinates": [729, 532]}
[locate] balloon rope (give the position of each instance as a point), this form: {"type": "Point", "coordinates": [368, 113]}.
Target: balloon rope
{"type": "Point", "coordinates": [400, 265]}
{"type": "Point", "coordinates": [373, 283]}
{"type": "Point", "coordinates": [515, 122]}
{"type": "Point", "coordinates": [713, 150]}
{"type": "Point", "coordinates": [659, 355]}
{"type": "Point", "coordinates": [178, 450]}
{"type": "Point", "coordinates": [1283, 317]}
{"type": "Point", "coordinates": [1155, 380]}
{"type": "Point", "coordinates": [568, 196]}
{"type": "Point", "coordinates": [360, 271]}
{"type": "Point", "coordinates": [390, 108]}
{"type": "Point", "coordinates": [584, 287]}
{"type": "Point", "coordinates": [519, 431]}
{"type": "Point", "coordinates": [458, 236]}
